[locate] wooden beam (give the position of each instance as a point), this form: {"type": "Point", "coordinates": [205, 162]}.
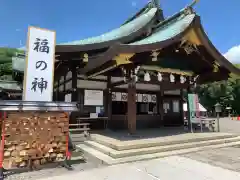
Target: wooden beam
{"type": "Point", "coordinates": [118, 83]}
{"type": "Point", "coordinates": [91, 79]}
{"type": "Point", "coordinates": [62, 83]}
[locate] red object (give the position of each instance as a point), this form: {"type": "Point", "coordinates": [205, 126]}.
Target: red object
{"type": "Point", "coordinates": [3, 139]}
{"type": "Point", "coordinates": [68, 155]}
{"type": "Point", "coordinates": [67, 152]}
{"type": "Point", "coordinates": [238, 118]}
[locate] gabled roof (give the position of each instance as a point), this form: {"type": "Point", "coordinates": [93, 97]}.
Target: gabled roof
{"type": "Point", "coordinates": [172, 30]}
{"type": "Point", "coordinates": [10, 85]}
{"type": "Point", "coordinates": [123, 34]}
{"type": "Point", "coordinates": [168, 31]}
{"type": "Point", "coordinates": [150, 4]}
{"type": "Point", "coordinates": [132, 28]}
{"type": "Point", "coordinates": [131, 38]}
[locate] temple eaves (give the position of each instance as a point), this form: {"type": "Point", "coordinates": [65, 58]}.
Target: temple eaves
{"type": "Point", "coordinates": [167, 32]}
{"type": "Point", "coordinates": [129, 29]}
{"type": "Point", "coordinates": [183, 26]}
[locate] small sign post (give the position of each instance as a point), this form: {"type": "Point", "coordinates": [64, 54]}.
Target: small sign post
{"type": "Point", "coordinates": [39, 70]}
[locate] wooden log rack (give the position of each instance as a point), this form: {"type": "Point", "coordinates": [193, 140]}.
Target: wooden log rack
{"type": "Point", "coordinates": [35, 133]}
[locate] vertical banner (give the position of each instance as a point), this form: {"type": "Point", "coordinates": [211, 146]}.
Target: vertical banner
{"type": "Point", "coordinates": [194, 110]}
{"type": "Point", "coordinates": [39, 70]}
{"type": "Point", "coordinates": [191, 108]}
{"type": "Point", "coordinates": [197, 106]}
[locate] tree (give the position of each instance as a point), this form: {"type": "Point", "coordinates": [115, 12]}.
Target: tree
{"type": "Point", "coordinates": [227, 93]}
{"type": "Point", "coordinates": [6, 55]}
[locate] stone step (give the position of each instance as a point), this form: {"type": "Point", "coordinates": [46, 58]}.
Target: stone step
{"type": "Point", "coordinates": [159, 141]}
{"type": "Point", "coordinates": [105, 159]}
{"type": "Point", "coordinates": [78, 138]}
{"type": "Point", "coordinates": [157, 149]}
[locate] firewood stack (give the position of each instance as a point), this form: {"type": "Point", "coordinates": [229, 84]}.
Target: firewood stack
{"type": "Point", "coordinates": [32, 139]}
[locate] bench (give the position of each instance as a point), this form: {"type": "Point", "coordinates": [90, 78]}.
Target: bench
{"type": "Point", "coordinates": [93, 119]}
{"type": "Point", "coordinates": [80, 127]}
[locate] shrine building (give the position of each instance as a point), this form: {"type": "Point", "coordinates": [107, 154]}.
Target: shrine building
{"type": "Point", "coordinates": [134, 76]}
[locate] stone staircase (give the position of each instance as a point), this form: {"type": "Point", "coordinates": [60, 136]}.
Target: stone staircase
{"type": "Point", "coordinates": [111, 151]}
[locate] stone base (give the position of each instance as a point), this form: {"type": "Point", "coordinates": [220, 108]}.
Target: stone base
{"type": "Point", "coordinates": [112, 151]}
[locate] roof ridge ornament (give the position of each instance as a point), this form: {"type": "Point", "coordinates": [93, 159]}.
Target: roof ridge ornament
{"type": "Point", "coordinates": [155, 3]}
{"type": "Point", "coordinates": [193, 3]}
{"type": "Point", "coordinates": [189, 8]}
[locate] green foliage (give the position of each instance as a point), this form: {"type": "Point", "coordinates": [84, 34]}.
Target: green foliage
{"type": "Point", "coordinates": [6, 55]}
{"type": "Point", "coordinates": [225, 92]}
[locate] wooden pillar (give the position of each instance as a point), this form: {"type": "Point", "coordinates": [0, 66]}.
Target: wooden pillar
{"type": "Point", "coordinates": [57, 90]}
{"type": "Point", "coordinates": [64, 80]}
{"type": "Point", "coordinates": [160, 97]}
{"type": "Point", "coordinates": [131, 114]}
{"type": "Point", "coordinates": [189, 91]}
{"type": "Point", "coordinates": [181, 105]}
{"type": "Point", "coordinates": [74, 83]}
{"type": "Point", "coordinates": [108, 101]}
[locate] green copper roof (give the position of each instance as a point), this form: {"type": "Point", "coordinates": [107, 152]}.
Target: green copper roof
{"type": "Point", "coordinates": [9, 85]}
{"type": "Point", "coordinates": [139, 13]}
{"type": "Point", "coordinates": [123, 31]}
{"type": "Point", "coordinates": [18, 63]}
{"type": "Point", "coordinates": [168, 30]}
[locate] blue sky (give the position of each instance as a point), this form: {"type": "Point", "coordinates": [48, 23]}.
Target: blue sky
{"type": "Point", "coordinates": [78, 19]}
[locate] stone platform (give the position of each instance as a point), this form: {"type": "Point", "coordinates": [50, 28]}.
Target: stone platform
{"type": "Point", "coordinates": [117, 149]}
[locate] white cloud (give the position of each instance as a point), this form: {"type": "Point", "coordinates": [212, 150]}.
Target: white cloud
{"type": "Point", "coordinates": [233, 54]}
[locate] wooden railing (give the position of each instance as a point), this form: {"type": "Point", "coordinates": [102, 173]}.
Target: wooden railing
{"type": "Point", "coordinates": [80, 128]}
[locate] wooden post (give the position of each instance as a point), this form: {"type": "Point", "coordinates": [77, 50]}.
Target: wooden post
{"type": "Point", "coordinates": [108, 101]}
{"type": "Point", "coordinates": [160, 97]}
{"type": "Point", "coordinates": [74, 83]}
{"type": "Point", "coordinates": [132, 114]}
{"type": "Point", "coordinates": [58, 89]}
{"type": "Point", "coordinates": [189, 91]}
{"type": "Point", "coordinates": [181, 105]}
{"type": "Point", "coordinates": [64, 80]}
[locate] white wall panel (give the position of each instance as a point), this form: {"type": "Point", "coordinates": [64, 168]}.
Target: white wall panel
{"type": "Point", "coordinates": [141, 86]}
{"type": "Point", "coordinates": [173, 92]}
{"type": "Point", "coordinates": [91, 84]}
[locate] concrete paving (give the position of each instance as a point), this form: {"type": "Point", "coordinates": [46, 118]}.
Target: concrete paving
{"type": "Point", "coordinates": [229, 126]}
{"type": "Point", "coordinates": [202, 165]}
{"type": "Point", "coordinates": [169, 168]}
{"type": "Point", "coordinates": [227, 158]}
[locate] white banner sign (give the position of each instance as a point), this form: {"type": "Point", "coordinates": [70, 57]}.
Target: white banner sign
{"type": "Point", "coordinates": [93, 98]}
{"type": "Point", "coordinates": [39, 70]}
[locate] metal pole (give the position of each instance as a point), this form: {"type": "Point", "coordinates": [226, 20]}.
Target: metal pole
{"type": "Point", "coordinates": [218, 123]}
